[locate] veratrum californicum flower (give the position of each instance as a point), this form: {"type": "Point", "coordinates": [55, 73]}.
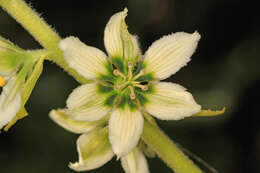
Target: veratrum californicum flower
{"type": "Point", "coordinates": [125, 85]}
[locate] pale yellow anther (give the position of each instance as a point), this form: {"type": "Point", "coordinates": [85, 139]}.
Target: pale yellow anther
{"type": "Point", "coordinates": [132, 93]}
{"type": "Point", "coordinates": [143, 87]}
{"type": "Point", "coordinates": [2, 81]}
{"type": "Point", "coordinates": [118, 73]}
{"type": "Point", "coordinates": [130, 64]}
{"type": "Point", "coordinates": [143, 71]}
{"type": "Point", "coordinates": [116, 87]}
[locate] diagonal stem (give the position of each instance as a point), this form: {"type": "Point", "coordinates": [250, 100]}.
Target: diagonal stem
{"type": "Point", "coordinates": [167, 150]}
{"type": "Point", "coordinates": [41, 32]}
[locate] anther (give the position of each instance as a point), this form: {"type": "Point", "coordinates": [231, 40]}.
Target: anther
{"type": "Point", "coordinates": [116, 72]}
{"type": "Point", "coordinates": [116, 87]}
{"type": "Point", "coordinates": [132, 96]}
{"type": "Point", "coordinates": [143, 87]}
{"type": "Point", "coordinates": [130, 64]}
{"type": "Point", "coordinates": [2, 81]}
{"type": "Point", "coordinates": [132, 93]}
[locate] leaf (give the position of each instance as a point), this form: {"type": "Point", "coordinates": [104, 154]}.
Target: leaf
{"type": "Point", "coordinates": [204, 113]}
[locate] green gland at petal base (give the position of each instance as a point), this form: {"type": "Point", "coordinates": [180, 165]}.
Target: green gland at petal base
{"type": "Point", "coordinates": [125, 85]}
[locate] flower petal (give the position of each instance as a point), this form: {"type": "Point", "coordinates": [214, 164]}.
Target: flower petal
{"type": "Point", "coordinates": [86, 60]}
{"type": "Point", "coordinates": [118, 41]}
{"type": "Point", "coordinates": [10, 102]}
{"type": "Point", "coordinates": [19, 115]}
{"type": "Point", "coordinates": [171, 101]}
{"type": "Point", "coordinates": [86, 104]}
{"type": "Point", "coordinates": [135, 162]}
{"type": "Point", "coordinates": [61, 118]}
{"type": "Point", "coordinates": [112, 36]}
{"type": "Point", "coordinates": [125, 129]}
{"type": "Point", "coordinates": [168, 54]}
{"type": "Point", "coordinates": [130, 45]}
{"type": "Point", "coordinates": [94, 150]}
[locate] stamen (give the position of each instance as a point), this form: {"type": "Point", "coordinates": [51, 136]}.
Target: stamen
{"type": "Point", "coordinates": [130, 74]}
{"type": "Point", "coordinates": [116, 72]}
{"type": "Point", "coordinates": [130, 64]}
{"type": "Point", "coordinates": [143, 87]}
{"type": "Point", "coordinates": [2, 81]}
{"type": "Point", "coordinates": [132, 93]}
{"type": "Point", "coordinates": [142, 72]}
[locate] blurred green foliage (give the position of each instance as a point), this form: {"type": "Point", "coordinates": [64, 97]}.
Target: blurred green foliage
{"type": "Point", "coordinates": [224, 71]}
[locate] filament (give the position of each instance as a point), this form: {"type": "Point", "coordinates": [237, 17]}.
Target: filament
{"type": "Point", "coordinates": [142, 72]}
{"type": "Point", "coordinates": [132, 93]}
{"type": "Point", "coordinates": [116, 72]}
{"type": "Point", "coordinates": [143, 87]}
{"type": "Point", "coordinates": [130, 74]}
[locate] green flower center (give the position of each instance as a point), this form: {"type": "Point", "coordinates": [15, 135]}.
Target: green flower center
{"type": "Point", "coordinates": [128, 81]}
{"type": "Point", "coordinates": [125, 84]}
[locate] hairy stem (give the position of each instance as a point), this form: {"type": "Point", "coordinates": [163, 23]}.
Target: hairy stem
{"type": "Point", "coordinates": [41, 31]}
{"type": "Point", "coordinates": [167, 150]}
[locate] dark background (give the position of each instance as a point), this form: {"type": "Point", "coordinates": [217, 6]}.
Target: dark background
{"type": "Point", "coordinates": [224, 71]}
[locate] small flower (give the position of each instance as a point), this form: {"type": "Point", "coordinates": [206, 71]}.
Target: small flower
{"type": "Point", "coordinates": [126, 83]}
{"type": "Point", "coordinates": [19, 71]}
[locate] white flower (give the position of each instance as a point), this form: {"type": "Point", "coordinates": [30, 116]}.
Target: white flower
{"type": "Point", "coordinates": [10, 98]}
{"type": "Point", "coordinates": [126, 83]}
{"type": "Point", "coordinates": [19, 71]}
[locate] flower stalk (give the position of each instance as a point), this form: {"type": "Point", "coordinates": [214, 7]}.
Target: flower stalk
{"type": "Point", "coordinates": [41, 32]}
{"type": "Point", "coordinates": [167, 150]}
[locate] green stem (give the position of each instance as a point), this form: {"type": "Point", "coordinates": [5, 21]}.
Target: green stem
{"type": "Point", "coordinates": [167, 150]}
{"type": "Point", "coordinates": [41, 31]}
